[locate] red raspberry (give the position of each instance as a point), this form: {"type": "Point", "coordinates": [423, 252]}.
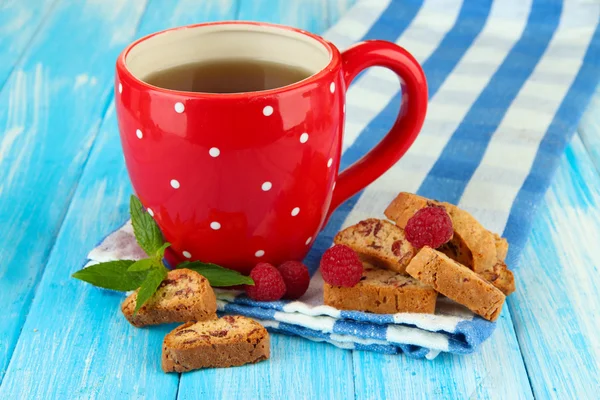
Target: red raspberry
{"type": "Point", "coordinates": [430, 226]}
{"type": "Point", "coordinates": [340, 266]}
{"type": "Point", "coordinates": [296, 278]}
{"type": "Point", "coordinates": [268, 283]}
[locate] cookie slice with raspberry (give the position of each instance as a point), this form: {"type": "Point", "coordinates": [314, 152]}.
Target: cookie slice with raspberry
{"type": "Point", "coordinates": [378, 242]}
{"type": "Point", "coordinates": [226, 342]}
{"type": "Point", "coordinates": [472, 245]}
{"type": "Point", "coordinates": [184, 296]}
{"type": "Point", "coordinates": [382, 291]}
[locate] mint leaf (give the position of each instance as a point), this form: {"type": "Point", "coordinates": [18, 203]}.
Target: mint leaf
{"type": "Point", "coordinates": [146, 230]}
{"type": "Point", "coordinates": [141, 265]}
{"type": "Point", "coordinates": [149, 286]}
{"type": "Point", "coordinates": [112, 275]}
{"type": "Point", "coordinates": [160, 253]}
{"type": "Point", "coordinates": [216, 275]}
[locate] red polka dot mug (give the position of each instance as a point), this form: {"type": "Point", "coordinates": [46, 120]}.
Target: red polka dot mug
{"type": "Point", "coordinates": [239, 178]}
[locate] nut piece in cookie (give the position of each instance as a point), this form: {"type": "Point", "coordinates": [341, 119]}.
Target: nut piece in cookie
{"type": "Point", "coordinates": [378, 242]}
{"type": "Point", "coordinates": [382, 291]}
{"type": "Point", "coordinates": [183, 296]}
{"type": "Point", "coordinates": [457, 282]}
{"type": "Point", "coordinates": [226, 342]}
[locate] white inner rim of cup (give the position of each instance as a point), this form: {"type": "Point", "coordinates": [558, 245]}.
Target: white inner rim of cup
{"type": "Point", "coordinates": [225, 42]}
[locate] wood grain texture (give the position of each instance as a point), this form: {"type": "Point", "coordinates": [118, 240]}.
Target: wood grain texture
{"type": "Point", "coordinates": [298, 369]}
{"type": "Point", "coordinates": [50, 110]}
{"type": "Point", "coordinates": [19, 21]}
{"type": "Point", "coordinates": [495, 371]}
{"type": "Point", "coordinates": [75, 342]}
{"type": "Point", "coordinates": [557, 306]}
{"type": "Point", "coordinates": [310, 15]}
{"type": "Point", "coordinates": [105, 356]}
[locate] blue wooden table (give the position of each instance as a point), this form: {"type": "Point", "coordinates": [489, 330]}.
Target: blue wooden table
{"type": "Point", "coordinates": [61, 167]}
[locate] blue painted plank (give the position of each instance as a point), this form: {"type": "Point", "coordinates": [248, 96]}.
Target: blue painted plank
{"type": "Point", "coordinates": [310, 15]}
{"type": "Point", "coordinates": [298, 369]}
{"type": "Point", "coordinates": [186, 12]}
{"type": "Point", "coordinates": [336, 10]}
{"type": "Point", "coordinates": [19, 21]}
{"type": "Point", "coordinates": [494, 372]}
{"type": "Point", "coordinates": [376, 374]}
{"type": "Point", "coordinates": [70, 323]}
{"type": "Point", "coordinates": [50, 110]}
{"type": "Point", "coordinates": [557, 306]}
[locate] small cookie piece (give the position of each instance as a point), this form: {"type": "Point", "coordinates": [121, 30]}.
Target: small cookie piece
{"type": "Point", "coordinates": [225, 342]}
{"type": "Point", "coordinates": [378, 242]}
{"type": "Point", "coordinates": [501, 277]}
{"type": "Point", "coordinates": [501, 247]}
{"type": "Point", "coordinates": [472, 245]}
{"type": "Point", "coordinates": [382, 291]}
{"type": "Point", "coordinates": [457, 282]}
{"type": "Point", "coordinates": [183, 296]}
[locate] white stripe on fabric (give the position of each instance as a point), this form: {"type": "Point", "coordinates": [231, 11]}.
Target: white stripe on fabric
{"type": "Point", "coordinates": [404, 334]}
{"type": "Point", "coordinates": [443, 118]}
{"type": "Point", "coordinates": [356, 23]}
{"type": "Point", "coordinates": [444, 13]}
{"type": "Point", "coordinates": [432, 354]}
{"type": "Point", "coordinates": [354, 339]}
{"type": "Point", "coordinates": [318, 323]}
{"type": "Point", "coordinates": [514, 144]}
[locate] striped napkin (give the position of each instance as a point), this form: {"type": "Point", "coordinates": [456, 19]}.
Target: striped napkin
{"type": "Point", "coordinates": [508, 81]}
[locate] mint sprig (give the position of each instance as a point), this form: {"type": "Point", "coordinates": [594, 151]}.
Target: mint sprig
{"type": "Point", "coordinates": [148, 273]}
{"type": "Point", "coordinates": [145, 229]}
{"type": "Point", "coordinates": [112, 275]}
{"type": "Point", "coordinates": [217, 275]}
{"type": "Point", "coordinates": [149, 286]}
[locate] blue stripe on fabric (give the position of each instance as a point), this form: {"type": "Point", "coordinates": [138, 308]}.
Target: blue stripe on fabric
{"type": "Point", "coordinates": [462, 154]}
{"type": "Point", "coordinates": [379, 348]}
{"type": "Point", "coordinates": [274, 305]}
{"type": "Point", "coordinates": [360, 330]}
{"type": "Point", "coordinates": [383, 319]}
{"type": "Point", "coordinates": [468, 25]}
{"type": "Point", "coordinates": [253, 312]}
{"type": "Point", "coordinates": [551, 147]}
{"type": "Point", "coordinates": [392, 23]}
{"type": "Point", "coordinates": [413, 351]}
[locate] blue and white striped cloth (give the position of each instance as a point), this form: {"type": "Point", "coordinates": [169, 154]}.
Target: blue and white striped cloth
{"type": "Point", "coordinates": [508, 82]}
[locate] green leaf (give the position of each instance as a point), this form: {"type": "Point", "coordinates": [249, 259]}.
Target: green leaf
{"type": "Point", "coordinates": [112, 275]}
{"type": "Point", "coordinates": [160, 253]}
{"type": "Point", "coordinates": [217, 275]}
{"type": "Point", "coordinates": [149, 286]}
{"type": "Point", "coordinates": [141, 265]}
{"type": "Point", "coordinates": [146, 230]}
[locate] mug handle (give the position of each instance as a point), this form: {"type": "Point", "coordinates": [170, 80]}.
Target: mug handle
{"type": "Point", "coordinates": [408, 123]}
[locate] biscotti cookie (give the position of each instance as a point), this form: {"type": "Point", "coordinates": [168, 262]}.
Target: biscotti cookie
{"type": "Point", "coordinates": [501, 247]}
{"type": "Point", "coordinates": [382, 291]}
{"type": "Point", "coordinates": [501, 277]}
{"type": "Point", "coordinates": [457, 282]}
{"type": "Point", "coordinates": [226, 342]}
{"type": "Point", "coordinates": [472, 245]}
{"type": "Point", "coordinates": [378, 242]}
{"type": "Point", "coordinates": [184, 296]}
